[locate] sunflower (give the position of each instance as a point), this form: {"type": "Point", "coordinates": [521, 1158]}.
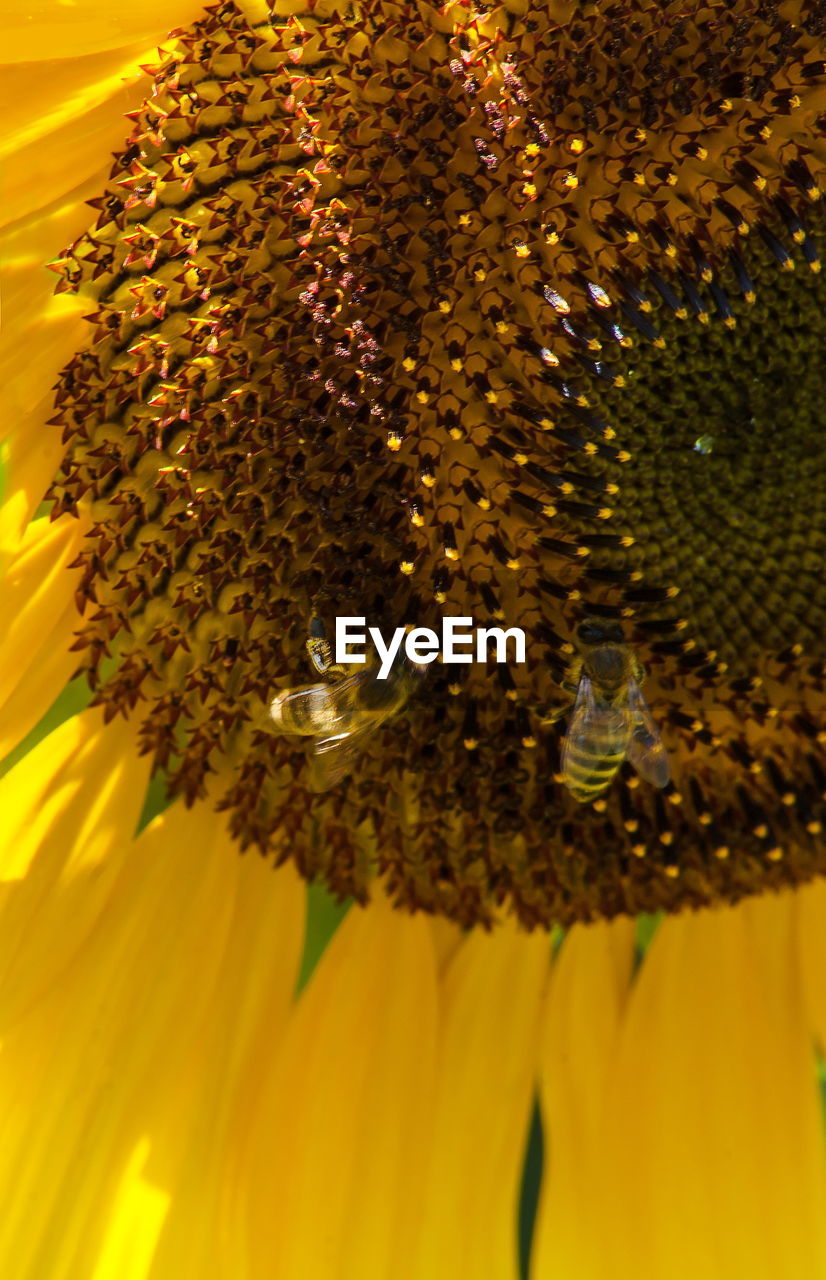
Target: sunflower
{"type": "Point", "coordinates": [408, 312]}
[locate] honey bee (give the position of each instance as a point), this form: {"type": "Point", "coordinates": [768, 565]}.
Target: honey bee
{"type": "Point", "coordinates": [339, 716]}
{"type": "Point", "coordinates": [611, 720]}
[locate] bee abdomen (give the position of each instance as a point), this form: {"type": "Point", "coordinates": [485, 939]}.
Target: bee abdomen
{"type": "Point", "coordinates": [590, 769]}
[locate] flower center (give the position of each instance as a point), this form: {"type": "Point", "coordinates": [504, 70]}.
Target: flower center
{"type": "Point", "coordinates": [401, 317]}
{"type": "Point", "coordinates": [723, 490]}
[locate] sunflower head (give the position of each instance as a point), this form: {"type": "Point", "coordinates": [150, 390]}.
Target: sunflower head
{"type": "Point", "coordinates": [509, 313]}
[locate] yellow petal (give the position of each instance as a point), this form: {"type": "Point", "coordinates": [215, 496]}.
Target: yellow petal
{"type": "Point", "coordinates": [45, 168]}
{"type": "Point", "coordinates": [810, 929]}
{"type": "Point", "coordinates": [131, 1073]}
{"type": "Point", "coordinates": [38, 592]}
{"type": "Point", "coordinates": [340, 1113]}
{"type": "Point", "coordinates": [65, 809]}
{"type": "Point", "coordinates": [71, 28]}
{"type": "Point", "coordinates": [465, 1224]}
{"type": "Point", "coordinates": [41, 330]}
{"type": "Point", "coordinates": [38, 688]}
{"type": "Point", "coordinates": [582, 1018]}
{"type": "Point", "coordinates": [31, 455]}
{"type": "Point", "coordinates": [712, 1158]}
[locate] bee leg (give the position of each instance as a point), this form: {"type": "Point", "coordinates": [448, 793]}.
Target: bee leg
{"type": "Point", "coordinates": [319, 649]}
{"type": "Point", "coordinates": [554, 716]}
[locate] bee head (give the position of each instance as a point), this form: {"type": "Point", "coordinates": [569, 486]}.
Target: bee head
{"type": "Point", "coordinates": [596, 631]}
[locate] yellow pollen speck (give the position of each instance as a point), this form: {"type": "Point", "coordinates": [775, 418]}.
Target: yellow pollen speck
{"type": "Point", "coordinates": [444, 305]}
{"type": "Point", "coordinates": [514, 563]}
{"type": "Point", "coordinates": [577, 146]}
{"type": "Point", "coordinates": [394, 441]}
{"type": "Point", "coordinates": [672, 872]}
{"type": "Point", "coordinates": [570, 182]}
{"type": "Point", "coordinates": [520, 248]}
{"type": "Point", "coordinates": [406, 567]}
{"type": "Point", "coordinates": [452, 553]}
{"type": "Point", "coordinates": [484, 504]}
{"type": "Point", "coordinates": [549, 511]}
{"type": "Point", "coordinates": [521, 459]}
{"type": "Point", "coordinates": [814, 265]}
{"type": "Point", "coordinates": [502, 326]}
{"type": "Point", "coordinates": [529, 189]}
{"type": "Point", "coordinates": [604, 513]}
{"type": "Point", "coordinates": [465, 219]}
{"type": "Point", "coordinates": [457, 366]}
{"type": "Point", "coordinates": [439, 597]}
{"type": "Point", "coordinates": [480, 274]}
{"type": "Point", "coordinates": [408, 364]}
{"type": "Point", "coordinates": [531, 150]}
{"type": "Point", "coordinates": [429, 481]}
{"type": "Point", "coordinates": [775, 855]}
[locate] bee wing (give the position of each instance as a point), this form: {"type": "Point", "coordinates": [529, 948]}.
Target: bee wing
{"type": "Point", "coordinates": [645, 750]}
{"type": "Point", "coordinates": [581, 715]}
{"type": "Point", "coordinates": [333, 759]}
{"type": "Point", "coordinates": [315, 709]}
{"type": "Point", "coordinates": [590, 719]}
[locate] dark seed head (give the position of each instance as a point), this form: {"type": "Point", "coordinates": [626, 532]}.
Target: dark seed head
{"type": "Point", "coordinates": [466, 318]}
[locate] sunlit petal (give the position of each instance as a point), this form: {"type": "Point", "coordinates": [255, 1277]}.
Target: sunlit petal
{"type": "Point", "coordinates": [466, 1223]}
{"type": "Point", "coordinates": [66, 812]}
{"type": "Point", "coordinates": [340, 1115]}
{"type": "Point", "coordinates": [133, 1070]}
{"type": "Point", "coordinates": [582, 1019]}
{"type": "Point", "coordinates": [712, 1163]}
{"type": "Point", "coordinates": [71, 28]}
